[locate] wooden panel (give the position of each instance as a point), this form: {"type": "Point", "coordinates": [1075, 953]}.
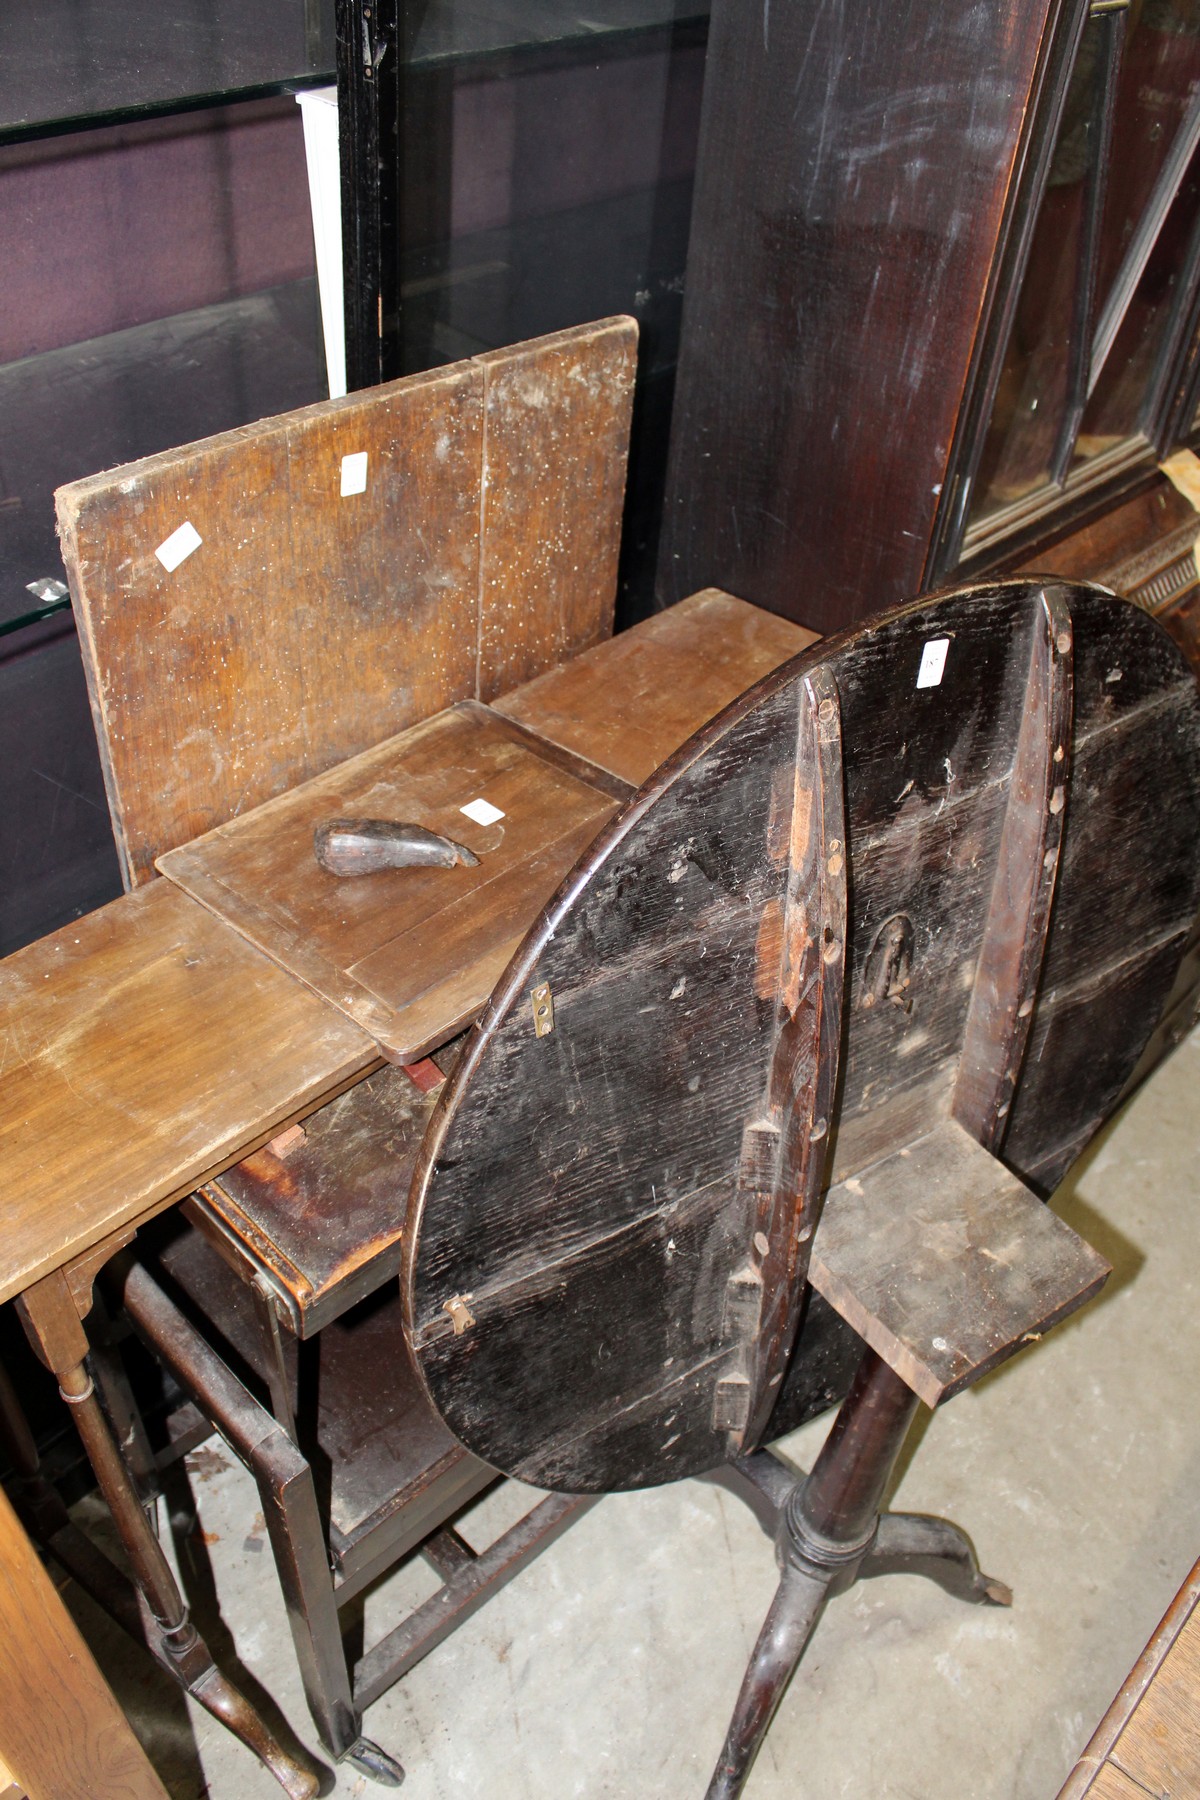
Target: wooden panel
{"type": "Point", "coordinates": [410, 953]}
{"type": "Point", "coordinates": [321, 1216]}
{"type": "Point", "coordinates": [584, 1194]}
{"type": "Point", "coordinates": [927, 771]}
{"type": "Point", "coordinates": [931, 852]}
{"type": "Point", "coordinates": [630, 703]}
{"type": "Point", "coordinates": [142, 1049]}
{"type": "Point", "coordinates": [1094, 1774]}
{"type": "Point", "coordinates": [61, 1731]}
{"type": "Point", "coordinates": [1119, 537]}
{"type": "Point", "coordinates": [570, 1271]}
{"type": "Point", "coordinates": [1077, 1061]}
{"type": "Point", "coordinates": [1125, 911]}
{"type": "Point", "coordinates": [304, 628]}
{"type": "Point", "coordinates": [556, 431]}
{"type": "Point", "coordinates": [1111, 1784]}
{"type": "Point", "coordinates": [1160, 1748]}
{"type": "Point", "coordinates": [855, 162]}
{"type": "Point", "coordinates": [945, 1263]}
{"type": "Point", "coordinates": [309, 623]}
{"type": "Point", "coordinates": [1144, 549]}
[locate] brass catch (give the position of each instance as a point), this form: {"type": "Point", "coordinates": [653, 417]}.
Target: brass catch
{"type": "Point", "coordinates": [461, 1315]}
{"type": "Point", "coordinates": [543, 1009]}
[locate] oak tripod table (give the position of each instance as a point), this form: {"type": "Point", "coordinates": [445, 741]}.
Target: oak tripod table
{"type": "Point", "coordinates": [833, 1001]}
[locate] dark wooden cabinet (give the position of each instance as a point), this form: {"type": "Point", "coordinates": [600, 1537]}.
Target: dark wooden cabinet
{"type": "Point", "coordinates": [942, 292]}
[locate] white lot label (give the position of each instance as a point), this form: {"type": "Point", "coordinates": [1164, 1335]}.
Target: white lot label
{"type": "Point", "coordinates": [354, 473]}
{"type": "Point", "coordinates": [933, 662]}
{"type": "Point", "coordinates": [179, 546]}
{"type": "Point", "coordinates": [482, 811]}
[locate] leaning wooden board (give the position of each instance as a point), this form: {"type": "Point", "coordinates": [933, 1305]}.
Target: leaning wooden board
{"type": "Point", "coordinates": [62, 1733]}
{"type": "Point", "coordinates": [573, 1177]}
{"type": "Point", "coordinates": [258, 606]}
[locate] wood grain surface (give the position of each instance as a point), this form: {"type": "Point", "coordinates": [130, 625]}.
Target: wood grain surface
{"type": "Point", "coordinates": [593, 1202]}
{"type": "Point", "coordinates": [1159, 1747]}
{"type": "Point", "coordinates": [945, 1263]}
{"type": "Point", "coordinates": [628, 704]}
{"type": "Point", "coordinates": [411, 954]}
{"type": "Point", "coordinates": [556, 427]}
{"type": "Point", "coordinates": [310, 620]}
{"type": "Point", "coordinates": [1119, 539]}
{"type": "Point", "coordinates": [62, 1733]}
{"type": "Point", "coordinates": [1128, 894]}
{"type": "Point", "coordinates": [1146, 1742]}
{"type": "Point", "coordinates": [305, 626]}
{"type": "Point", "coordinates": [576, 1216]}
{"type": "Point", "coordinates": [1112, 1784]}
{"type": "Point", "coordinates": [820, 392]}
{"type": "Point", "coordinates": [142, 1049]}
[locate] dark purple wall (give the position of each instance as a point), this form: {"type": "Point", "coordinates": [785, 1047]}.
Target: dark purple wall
{"type": "Point", "coordinates": [110, 228]}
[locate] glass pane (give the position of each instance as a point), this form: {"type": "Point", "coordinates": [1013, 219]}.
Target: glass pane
{"type": "Point", "coordinates": [1033, 391]}
{"type": "Point", "coordinates": [1160, 73]}
{"type": "Point", "coordinates": [158, 286]}
{"type": "Point", "coordinates": [552, 184]}
{"type": "Point", "coordinates": [1158, 77]}
{"type": "Point", "coordinates": [74, 61]}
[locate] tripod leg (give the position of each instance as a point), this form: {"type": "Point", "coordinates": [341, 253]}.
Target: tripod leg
{"type": "Point", "coordinates": [827, 1523]}
{"type": "Point", "coordinates": [762, 1481]}
{"type": "Point", "coordinates": [910, 1543]}
{"type": "Point", "coordinates": [798, 1604]}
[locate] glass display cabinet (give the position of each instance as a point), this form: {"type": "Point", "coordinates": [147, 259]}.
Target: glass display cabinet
{"type": "Point", "coordinates": [511, 166]}
{"type": "Point", "coordinates": [943, 294]}
{"type": "Point", "coordinates": [157, 285]}
{"type": "Point", "coordinates": [514, 167]}
{"type": "Point", "coordinates": [1098, 378]}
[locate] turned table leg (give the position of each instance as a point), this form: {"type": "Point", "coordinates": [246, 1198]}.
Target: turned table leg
{"type": "Point", "coordinates": [54, 1327]}
{"type": "Point", "coordinates": [830, 1533]}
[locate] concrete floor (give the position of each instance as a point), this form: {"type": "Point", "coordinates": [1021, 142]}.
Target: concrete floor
{"type": "Point", "coordinates": [609, 1668]}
